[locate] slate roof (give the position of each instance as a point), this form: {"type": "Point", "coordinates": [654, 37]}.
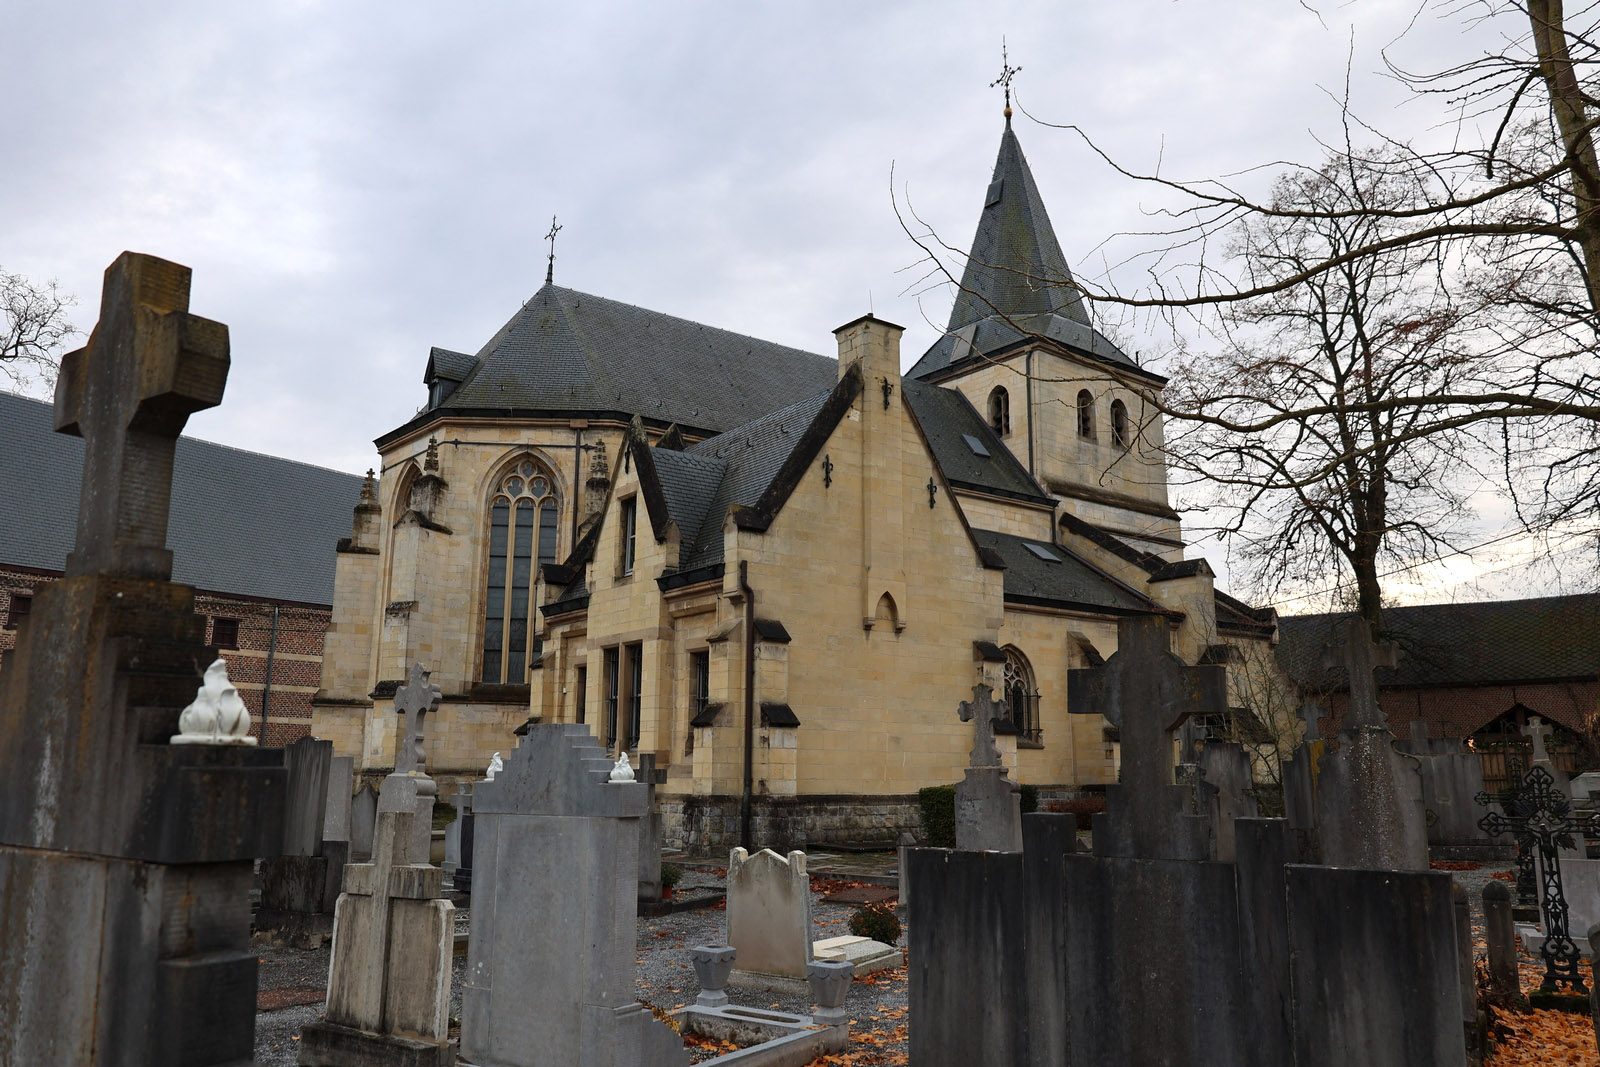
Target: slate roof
{"type": "Point", "coordinates": [566, 351]}
{"type": "Point", "coordinates": [241, 523]}
{"type": "Point", "coordinates": [946, 416]}
{"type": "Point", "coordinates": [1485, 643]}
{"type": "Point", "coordinates": [1016, 271]}
{"type": "Point", "coordinates": [1068, 581]}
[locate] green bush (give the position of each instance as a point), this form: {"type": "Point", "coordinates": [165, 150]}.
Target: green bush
{"type": "Point", "coordinates": [877, 922]}
{"type": "Point", "coordinates": [670, 875]}
{"type": "Point", "coordinates": [938, 804]}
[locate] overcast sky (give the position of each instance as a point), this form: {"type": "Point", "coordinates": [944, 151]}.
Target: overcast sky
{"type": "Point", "coordinates": [354, 182]}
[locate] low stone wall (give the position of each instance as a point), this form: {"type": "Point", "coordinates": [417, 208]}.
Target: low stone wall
{"type": "Point", "coordinates": [701, 824]}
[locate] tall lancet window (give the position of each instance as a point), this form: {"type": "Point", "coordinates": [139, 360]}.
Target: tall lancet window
{"type": "Point", "coordinates": [524, 530]}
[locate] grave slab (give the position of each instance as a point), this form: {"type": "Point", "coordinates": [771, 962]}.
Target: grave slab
{"type": "Point", "coordinates": [866, 955]}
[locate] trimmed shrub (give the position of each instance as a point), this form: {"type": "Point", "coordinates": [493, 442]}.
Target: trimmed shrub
{"type": "Point", "coordinates": [1085, 808]}
{"type": "Point", "coordinates": [938, 805]}
{"type": "Point", "coordinates": [876, 922]}
{"type": "Point", "coordinates": [670, 875]}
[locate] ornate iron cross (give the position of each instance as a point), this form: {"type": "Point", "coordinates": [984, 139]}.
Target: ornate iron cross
{"type": "Point", "coordinates": [1007, 72]}
{"type": "Point", "coordinates": [148, 366]}
{"type": "Point", "coordinates": [1539, 815]}
{"type": "Point", "coordinates": [982, 711]}
{"type": "Point", "coordinates": [550, 268]}
{"type": "Point", "coordinates": [416, 699]}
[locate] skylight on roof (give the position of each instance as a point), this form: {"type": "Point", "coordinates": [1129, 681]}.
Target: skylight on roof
{"type": "Point", "coordinates": [976, 445]}
{"type": "Point", "coordinates": [1042, 552]}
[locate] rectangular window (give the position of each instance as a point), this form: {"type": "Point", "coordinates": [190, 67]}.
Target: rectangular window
{"type": "Point", "coordinates": [21, 605]}
{"type": "Point", "coordinates": [611, 682]}
{"type": "Point", "coordinates": [635, 694]}
{"type": "Point", "coordinates": [699, 683]}
{"type": "Point", "coordinates": [225, 633]}
{"type": "Point", "coordinates": [630, 526]}
{"type": "Point", "coordinates": [580, 699]}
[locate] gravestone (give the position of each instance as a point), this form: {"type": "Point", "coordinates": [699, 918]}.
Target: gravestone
{"type": "Point", "coordinates": [394, 938]}
{"type": "Point", "coordinates": [295, 901]}
{"type": "Point", "coordinates": [1369, 793]}
{"type": "Point", "coordinates": [650, 830]}
{"type": "Point", "coordinates": [1146, 692]}
{"type": "Point", "coordinates": [363, 821]}
{"type": "Point", "coordinates": [550, 959]}
{"type": "Point", "coordinates": [769, 919]}
{"type": "Point", "coordinates": [410, 784]}
{"type": "Point", "coordinates": [341, 778]}
{"type": "Point", "coordinates": [453, 834]}
{"type": "Point", "coordinates": [309, 763]}
{"type": "Point", "coordinates": [1500, 940]}
{"type": "Point", "coordinates": [126, 859]}
{"type": "Point", "coordinates": [1452, 778]}
{"type": "Point", "coordinates": [1300, 774]}
{"type": "Point", "coordinates": [1225, 766]}
{"type": "Point", "coordinates": [988, 802]}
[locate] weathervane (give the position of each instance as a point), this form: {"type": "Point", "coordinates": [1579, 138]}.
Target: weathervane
{"type": "Point", "coordinates": [550, 270]}
{"type": "Point", "coordinates": [1007, 72]}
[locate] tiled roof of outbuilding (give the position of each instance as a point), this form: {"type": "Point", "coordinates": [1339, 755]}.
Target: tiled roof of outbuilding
{"type": "Point", "coordinates": [1483, 643]}
{"type": "Point", "coordinates": [569, 351]}
{"type": "Point", "coordinates": [241, 523]}
{"type": "Point", "coordinates": [1067, 580]}
{"type": "Point", "coordinates": [945, 416]}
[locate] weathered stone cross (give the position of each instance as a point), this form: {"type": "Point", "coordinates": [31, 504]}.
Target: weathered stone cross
{"type": "Point", "coordinates": [148, 366]}
{"type": "Point", "coordinates": [416, 699]}
{"type": "Point", "coordinates": [1147, 693]}
{"type": "Point", "coordinates": [1360, 655]}
{"type": "Point", "coordinates": [982, 711]}
{"type": "Point", "coordinates": [1537, 731]}
{"type": "Point", "coordinates": [1312, 714]}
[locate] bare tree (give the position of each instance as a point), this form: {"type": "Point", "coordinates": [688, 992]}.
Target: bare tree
{"type": "Point", "coordinates": [33, 325]}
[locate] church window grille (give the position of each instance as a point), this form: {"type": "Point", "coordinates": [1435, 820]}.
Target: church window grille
{"type": "Point", "coordinates": [1085, 414]}
{"type": "Point", "coordinates": [1119, 424]}
{"type": "Point", "coordinates": [225, 633]}
{"type": "Point", "coordinates": [21, 606]}
{"type": "Point", "coordinates": [612, 683]}
{"type": "Point", "coordinates": [1022, 697]}
{"type": "Point", "coordinates": [699, 683]}
{"type": "Point", "coordinates": [635, 655]}
{"type": "Point", "coordinates": [524, 521]}
{"type": "Point", "coordinates": [1000, 410]}
{"type": "Point", "coordinates": [630, 529]}
{"type": "Point", "coordinates": [580, 699]}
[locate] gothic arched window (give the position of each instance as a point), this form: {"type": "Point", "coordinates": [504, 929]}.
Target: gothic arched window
{"type": "Point", "coordinates": [1000, 410]}
{"type": "Point", "coordinates": [1119, 424]}
{"type": "Point", "coordinates": [1022, 695]}
{"type": "Point", "coordinates": [1085, 413]}
{"type": "Point", "coordinates": [523, 514]}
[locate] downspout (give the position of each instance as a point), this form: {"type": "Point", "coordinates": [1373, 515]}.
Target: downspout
{"type": "Point", "coordinates": [749, 701]}
{"type": "Point", "coordinates": [266, 690]}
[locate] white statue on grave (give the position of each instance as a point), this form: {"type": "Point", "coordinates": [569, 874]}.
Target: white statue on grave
{"type": "Point", "coordinates": [217, 716]}
{"type": "Point", "coordinates": [495, 767]}
{"type": "Point", "coordinates": [623, 771]}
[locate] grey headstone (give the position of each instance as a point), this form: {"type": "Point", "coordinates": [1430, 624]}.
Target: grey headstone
{"type": "Point", "coordinates": [363, 820]}
{"type": "Point", "coordinates": [341, 784]}
{"type": "Point", "coordinates": [1048, 838]}
{"type": "Point", "coordinates": [769, 918]}
{"type": "Point", "coordinates": [1452, 778]}
{"type": "Point", "coordinates": [988, 811]}
{"type": "Point", "coordinates": [650, 828]}
{"type": "Point", "coordinates": [1369, 804]}
{"type": "Point", "coordinates": [1500, 939]}
{"type": "Point", "coordinates": [308, 761]}
{"type": "Point", "coordinates": [1263, 848]}
{"type": "Point", "coordinates": [1225, 765]}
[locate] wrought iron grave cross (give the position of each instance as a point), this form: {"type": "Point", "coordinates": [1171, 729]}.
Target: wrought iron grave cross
{"type": "Point", "coordinates": [1539, 815]}
{"type": "Point", "coordinates": [148, 366]}
{"type": "Point", "coordinates": [982, 711]}
{"type": "Point", "coordinates": [416, 699]}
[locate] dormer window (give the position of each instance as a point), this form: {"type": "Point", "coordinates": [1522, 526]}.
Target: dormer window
{"type": "Point", "coordinates": [629, 531]}
{"type": "Point", "coordinates": [438, 390]}
{"type": "Point", "coordinates": [1000, 411]}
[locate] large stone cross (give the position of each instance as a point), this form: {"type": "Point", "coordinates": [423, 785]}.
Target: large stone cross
{"type": "Point", "coordinates": [1146, 692]}
{"type": "Point", "coordinates": [1312, 714]}
{"type": "Point", "coordinates": [982, 711]}
{"type": "Point", "coordinates": [148, 366]}
{"type": "Point", "coordinates": [1537, 730]}
{"type": "Point", "coordinates": [1360, 655]}
{"type": "Point", "coordinates": [415, 699]}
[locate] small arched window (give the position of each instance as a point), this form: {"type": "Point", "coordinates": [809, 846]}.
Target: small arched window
{"type": "Point", "coordinates": [523, 513]}
{"type": "Point", "coordinates": [1000, 410]}
{"type": "Point", "coordinates": [1022, 695]}
{"type": "Point", "coordinates": [1085, 413]}
{"type": "Point", "coordinates": [1119, 424]}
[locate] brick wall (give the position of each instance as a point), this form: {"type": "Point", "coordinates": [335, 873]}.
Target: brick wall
{"type": "Point", "coordinates": [296, 659]}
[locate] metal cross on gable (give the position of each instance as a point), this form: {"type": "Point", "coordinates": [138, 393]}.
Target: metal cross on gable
{"type": "Point", "coordinates": [415, 699]}
{"type": "Point", "coordinates": [1007, 72]}
{"type": "Point", "coordinates": [1539, 815]}
{"type": "Point", "coordinates": [148, 366]}
{"type": "Point", "coordinates": [550, 268]}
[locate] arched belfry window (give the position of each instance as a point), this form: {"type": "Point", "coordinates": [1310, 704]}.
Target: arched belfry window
{"type": "Point", "coordinates": [1000, 410]}
{"type": "Point", "coordinates": [524, 524]}
{"type": "Point", "coordinates": [1119, 424]}
{"type": "Point", "coordinates": [1022, 695]}
{"type": "Point", "coordinates": [1085, 413]}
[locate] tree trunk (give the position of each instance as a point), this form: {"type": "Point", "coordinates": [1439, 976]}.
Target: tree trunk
{"type": "Point", "coordinates": [1566, 103]}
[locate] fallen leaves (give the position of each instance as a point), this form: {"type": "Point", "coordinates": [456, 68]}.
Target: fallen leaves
{"type": "Point", "coordinates": [1542, 1039]}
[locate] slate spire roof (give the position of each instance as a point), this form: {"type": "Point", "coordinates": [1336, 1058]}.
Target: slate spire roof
{"type": "Point", "coordinates": [1016, 276]}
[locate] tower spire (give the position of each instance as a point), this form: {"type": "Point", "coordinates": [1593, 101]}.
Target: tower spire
{"type": "Point", "coordinates": [1007, 72]}
{"type": "Point", "coordinates": [550, 268]}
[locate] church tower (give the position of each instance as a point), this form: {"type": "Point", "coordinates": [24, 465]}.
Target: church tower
{"type": "Point", "coordinates": [1022, 347]}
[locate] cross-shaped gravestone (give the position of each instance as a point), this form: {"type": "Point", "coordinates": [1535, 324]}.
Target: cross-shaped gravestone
{"type": "Point", "coordinates": [1537, 731]}
{"type": "Point", "coordinates": [982, 711]}
{"type": "Point", "coordinates": [148, 366]}
{"type": "Point", "coordinates": [415, 700]}
{"type": "Point", "coordinates": [1147, 692]}
{"type": "Point", "coordinates": [1312, 714]}
{"type": "Point", "coordinates": [1360, 655]}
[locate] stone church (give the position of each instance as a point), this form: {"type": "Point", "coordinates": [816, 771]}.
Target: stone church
{"type": "Point", "coordinates": [776, 571]}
